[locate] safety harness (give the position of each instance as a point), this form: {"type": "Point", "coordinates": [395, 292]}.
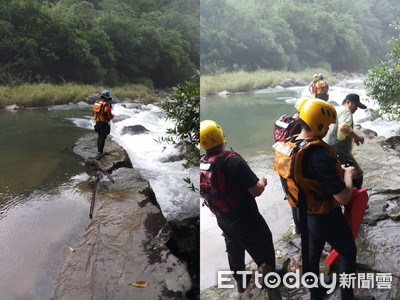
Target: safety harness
{"type": "Point", "coordinates": [100, 115]}
{"type": "Point", "coordinates": [288, 164]}
{"type": "Point", "coordinates": [310, 197]}
{"type": "Point", "coordinates": [219, 196]}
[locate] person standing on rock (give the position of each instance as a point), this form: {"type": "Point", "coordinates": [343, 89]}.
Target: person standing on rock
{"type": "Point", "coordinates": [228, 187]}
{"type": "Point", "coordinates": [322, 88]}
{"type": "Point", "coordinates": [341, 135]}
{"type": "Point", "coordinates": [102, 115]}
{"type": "Point", "coordinates": [312, 87]}
{"type": "Point", "coordinates": [317, 184]}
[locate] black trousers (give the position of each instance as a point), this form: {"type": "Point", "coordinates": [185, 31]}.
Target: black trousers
{"type": "Point", "coordinates": [103, 129]}
{"type": "Point", "coordinates": [334, 229]}
{"type": "Point", "coordinates": [323, 96]}
{"type": "Point", "coordinates": [247, 232]}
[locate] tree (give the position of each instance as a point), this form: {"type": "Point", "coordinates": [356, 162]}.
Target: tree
{"type": "Point", "coordinates": [383, 82]}
{"type": "Point", "coordinates": [98, 41]}
{"type": "Point", "coordinates": [184, 107]}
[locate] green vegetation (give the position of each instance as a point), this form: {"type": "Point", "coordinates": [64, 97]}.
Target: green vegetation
{"type": "Point", "coordinates": [98, 42]}
{"type": "Point", "coordinates": [294, 35]}
{"type": "Point", "coordinates": [382, 82]}
{"type": "Point", "coordinates": [29, 95]}
{"type": "Point", "coordinates": [184, 108]}
{"type": "Point", "coordinates": [242, 81]}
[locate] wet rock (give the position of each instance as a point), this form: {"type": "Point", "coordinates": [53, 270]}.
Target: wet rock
{"type": "Point", "coordinates": [126, 242]}
{"type": "Point", "coordinates": [120, 117]}
{"type": "Point", "coordinates": [131, 105]}
{"type": "Point", "coordinates": [86, 147]}
{"type": "Point", "coordinates": [134, 129]}
{"type": "Point", "coordinates": [185, 244]}
{"type": "Point", "coordinates": [368, 133]}
{"type": "Point", "coordinates": [394, 142]}
{"type": "Point", "coordinates": [162, 94]}
{"type": "Point", "coordinates": [13, 107]}
{"type": "Point", "coordinates": [184, 149]}
{"type": "Point", "coordinates": [334, 103]}
{"type": "Point", "coordinates": [224, 93]}
{"type": "Point", "coordinates": [93, 98]}
{"type": "Point", "coordinates": [370, 116]}
{"type": "Point", "coordinates": [286, 82]}
{"type": "Point", "coordinates": [379, 164]}
{"type": "Point", "coordinates": [300, 82]}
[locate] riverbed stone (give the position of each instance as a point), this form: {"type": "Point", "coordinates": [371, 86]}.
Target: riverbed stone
{"type": "Point", "coordinates": [134, 129]}
{"type": "Point", "coordinates": [13, 107]}
{"type": "Point", "coordinates": [126, 241]}
{"type": "Point", "coordinates": [287, 82]}
{"type": "Point", "coordinates": [394, 142]}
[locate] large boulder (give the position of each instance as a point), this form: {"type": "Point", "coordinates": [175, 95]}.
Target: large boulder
{"type": "Point", "coordinates": [185, 244]}
{"type": "Point", "coordinates": [127, 241]}
{"type": "Point", "coordinates": [394, 142]}
{"type": "Point", "coordinates": [134, 129]}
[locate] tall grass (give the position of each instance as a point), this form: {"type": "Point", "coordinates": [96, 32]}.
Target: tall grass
{"type": "Point", "coordinates": [242, 81]}
{"type": "Point", "coordinates": [43, 94]}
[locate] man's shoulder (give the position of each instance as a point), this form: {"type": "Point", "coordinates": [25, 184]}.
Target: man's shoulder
{"type": "Point", "coordinates": [234, 158]}
{"type": "Point", "coordinates": [344, 112]}
{"type": "Point", "coordinates": [317, 151]}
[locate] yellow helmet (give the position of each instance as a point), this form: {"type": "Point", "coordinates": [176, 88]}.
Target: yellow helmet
{"type": "Point", "coordinates": [211, 135]}
{"type": "Point", "coordinates": [300, 102]}
{"type": "Point", "coordinates": [318, 115]}
{"type": "Point", "coordinates": [315, 76]}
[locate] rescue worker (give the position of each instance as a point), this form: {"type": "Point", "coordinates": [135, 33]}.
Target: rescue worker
{"type": "Point", "coordinates": [322, 88]}
{"type": "Point", "coordinates": [341, 135]}
{"type": "Point", "coordinates": [228, 187]}
{"type": "Point", "coordinates": [317, 184]}
{"type": "Point", "coordinates": [102, 115]}
{"type": "Point", "coordinates": [312, 87]}
{"type": "Point", "coordinates": [293, 128]}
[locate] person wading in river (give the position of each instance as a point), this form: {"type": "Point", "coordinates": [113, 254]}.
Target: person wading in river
{"type": "Point", "coordinates": [315, 182]}
{"type": "Point", "coordinates": [228, 187]}
{"type": "Point", "coordinates": [102, 115]}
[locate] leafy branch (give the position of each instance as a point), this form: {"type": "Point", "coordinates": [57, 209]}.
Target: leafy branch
{"type": "Point", "coordinates": [183, 106]}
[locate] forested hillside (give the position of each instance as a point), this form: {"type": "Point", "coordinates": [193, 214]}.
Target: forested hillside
{"type": "Point", "coordinates": [109, 42]}
{"type": "Point", "coordinates": [295, 34]}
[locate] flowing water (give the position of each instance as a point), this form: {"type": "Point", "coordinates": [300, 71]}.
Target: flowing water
{"type": "Point", "coordinates": [44, 191]}
{"type": "Point", "coordinates": [247, 120]}
{"type": "Point", "coordinates": [41, 207]}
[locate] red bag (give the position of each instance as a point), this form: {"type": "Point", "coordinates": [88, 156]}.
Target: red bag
{"type": "Point", "coordinates": [286, 126]}
{"type": "Point", "coordinates": [354, 213]}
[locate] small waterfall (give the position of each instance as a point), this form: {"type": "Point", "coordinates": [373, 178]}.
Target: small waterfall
{"type": "Point", "coordinates": [176, 200]}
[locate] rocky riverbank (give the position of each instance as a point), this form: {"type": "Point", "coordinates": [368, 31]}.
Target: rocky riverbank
{"type": "Point", "coordinates": [378, 241]}
{"type": "Point", "coordinates": [128, 240]}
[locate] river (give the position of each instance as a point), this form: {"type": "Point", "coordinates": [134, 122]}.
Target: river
{"type": "Point", "coordinates": [247, 121]}
{"type": "Point", "coordinates": [44, 191]}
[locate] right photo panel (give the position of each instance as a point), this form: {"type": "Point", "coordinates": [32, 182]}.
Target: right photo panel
{"type": "Point", "coordinates": [300, 149]}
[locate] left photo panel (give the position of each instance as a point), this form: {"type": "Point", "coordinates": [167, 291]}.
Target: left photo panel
{"type": "Point", "coordinates": [99, 110]}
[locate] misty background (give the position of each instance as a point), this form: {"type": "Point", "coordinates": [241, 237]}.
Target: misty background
{"type": "Point", "coordinates": [294, 35]}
